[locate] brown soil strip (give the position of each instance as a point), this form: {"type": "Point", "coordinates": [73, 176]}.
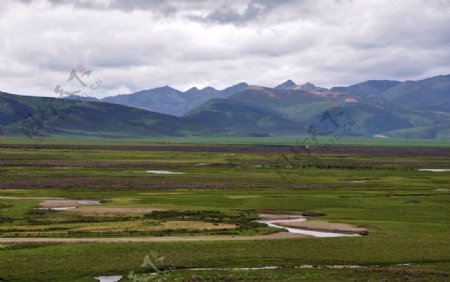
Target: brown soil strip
{"type": "Point", "coordinates": [48, 202]}
{"type": "Point", "coordinates": [274, 236]}
{"type": "Point", "coordinates": [28, 198]}
{"type": "Point", "coordinates": [113, 210]}
{"type": "Point", "coordinates": [360, 150]}
{"type": "Point", "coordinates": [59, 203]}
{"type": "Point", "coordinates": [136, 183]}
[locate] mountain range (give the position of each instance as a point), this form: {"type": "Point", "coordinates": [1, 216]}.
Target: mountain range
{"type": "Point", "coordinates": [383, 108]}
{"type": "Point", "coordinates": [167, 99]}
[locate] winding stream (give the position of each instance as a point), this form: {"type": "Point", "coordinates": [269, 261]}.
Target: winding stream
{"type": "Point", "coordinates": [321, 234]}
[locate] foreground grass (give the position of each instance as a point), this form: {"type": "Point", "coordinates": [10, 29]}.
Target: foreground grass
{"type": "Point", "coordinates": [406, 212]}
{"type": "Point", "coordinates": [67, 262]}
{"type": "Point", "coordinates": [405, 227]}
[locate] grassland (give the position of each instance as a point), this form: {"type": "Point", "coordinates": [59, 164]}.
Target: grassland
{"type": "Point", "coordinates": [230, 140]}
{"type": "Point", "coordinates": [221, 192]}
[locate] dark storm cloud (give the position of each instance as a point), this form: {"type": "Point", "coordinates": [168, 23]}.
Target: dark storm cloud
{"type": "Point", "coordinates": [232, 15]}
{"type": "Point", "coordinates": [221, 11]}
{"type": "Point", "coordinates": [251, 10]}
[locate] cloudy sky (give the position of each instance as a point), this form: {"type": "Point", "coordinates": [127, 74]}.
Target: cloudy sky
{"type": "Point", "coordinates": [135, 45]}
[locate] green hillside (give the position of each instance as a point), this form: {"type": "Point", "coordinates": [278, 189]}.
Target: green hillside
{"type": "Point", "coordinates": [304, 107]}
{"type": "Point", "coordinates": [40, 116]}
{"type": "Point", "coordinates": [235, 116]}
{"type": "Point", "coordinates": [432, 91]}
{"type": "Point", "coordinates": [411, 109]}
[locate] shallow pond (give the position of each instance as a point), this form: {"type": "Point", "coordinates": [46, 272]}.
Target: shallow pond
{"type": "Point", "coordinates": [57, 208]}
{"type": "Point", "coordinates": [114, 278]}
{"type": "Point", "coordinates": [88, 202]}
{"type": "Point", "coordinates": [163, 172]}
{"type": "Point", "coordinates": [435, 169]}
{"type": "Point", "coordinates": [65, 204]}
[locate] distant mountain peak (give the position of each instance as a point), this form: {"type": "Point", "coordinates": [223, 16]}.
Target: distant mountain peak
{"type": "Point", "coordinates": [192, 90]}
{"type": "Point", "coordinates": [167, 87]}
{"type": "Point", "coordinates": [209, 88]}
{"type": "Point", "coordinates": [288, 84]}
{"type": "Point", "coordinates": [235, 88]}
{"type": "Point", "coordinates": [308, 86]}
{"type": "Point", "coordinates": [241, 84]}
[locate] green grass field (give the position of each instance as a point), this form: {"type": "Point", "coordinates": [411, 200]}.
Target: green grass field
{"type": "Point", "coordinates": [405, 210]}
{"type": "Point", "coordinates": [230, 140]}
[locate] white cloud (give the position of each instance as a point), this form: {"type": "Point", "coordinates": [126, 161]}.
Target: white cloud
{"type": "Point", "coordinates": [134, 45]}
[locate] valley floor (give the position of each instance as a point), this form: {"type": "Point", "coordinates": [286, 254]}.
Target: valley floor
{"type": "Point", "coordinates": [200, 223]}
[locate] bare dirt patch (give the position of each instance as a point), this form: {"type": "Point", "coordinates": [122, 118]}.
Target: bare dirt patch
{"type": "Point", "coordinates": [60, 203]}
{"type": "Point", "coordinates": [270, 216]}
{"type": "Point", "coordinates": [85, 206]}
{"type": "Point", "coordinates": [274, 236]}
{"type": "Point", "coordinates": [108, 210]}
{"type": "Point", "coordinates": [324, 226]}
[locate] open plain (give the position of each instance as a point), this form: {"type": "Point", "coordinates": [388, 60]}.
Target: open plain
{"type": "Point", "coordinates": [79, 212]}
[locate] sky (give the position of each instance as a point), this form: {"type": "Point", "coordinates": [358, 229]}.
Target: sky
{"type": "Point", "coordinates": [143, 44]}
